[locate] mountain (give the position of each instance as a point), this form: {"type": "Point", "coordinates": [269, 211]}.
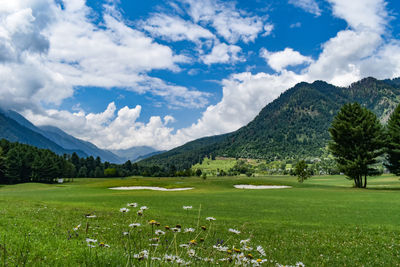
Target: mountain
{"type": "Point", "coordinates": [293, 126]}
{"type": "Point", "coordinates": [15, 132]}
{"type": "Point", "coordinates": [134, 153]}
{"type": "Point", "coordinates": [60, 142]}
{"type": "Point", "coordinates": [142, 157]}
{"type": "Point", "coordinates": [69, 142]}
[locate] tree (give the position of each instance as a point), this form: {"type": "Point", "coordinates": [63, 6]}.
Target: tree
{"type": "Point", "coordinates": [2, 166]}
{"type": "Point", "coordinates": [393, 142]}
{"type": "Point", "coordinates": [302, 171]}
{"type": "Point", "coordinates": [357, 140]}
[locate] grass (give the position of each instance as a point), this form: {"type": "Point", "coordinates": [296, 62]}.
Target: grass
{"type": "Point", "coordinates": [323, 222]}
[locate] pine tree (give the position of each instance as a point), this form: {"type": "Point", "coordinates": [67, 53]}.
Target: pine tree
{"type": "Point", "coordinates": [393, 142]}
{"type": "Point", "coordinates": [357, 140]}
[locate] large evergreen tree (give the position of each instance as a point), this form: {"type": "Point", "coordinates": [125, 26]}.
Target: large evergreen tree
{"type": "Point", "coordinates": [393, 142]}
{"type": "Point", "coordinates": [357, 140]}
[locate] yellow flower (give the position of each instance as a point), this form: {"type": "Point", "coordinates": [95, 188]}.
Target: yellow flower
{"type": "Point", "coordinates": [152, 222]}
{"type": "Point", "coordinates": [236, 250]}
{"type": "Point", "coordinates": [193, 242]}
{"type": "Point", "coordinates": [259, 260]}
{"type": "Point", "coordinates": [203, 227]}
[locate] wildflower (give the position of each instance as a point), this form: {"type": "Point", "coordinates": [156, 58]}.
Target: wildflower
{"type": "Point", "coordinates": [245, 241]}
{"type": "Point", "coordinates": [229, 251]}
{"type": "Point", "coordinates": [125, 233]}
{"type": "Point", "coordinates": [192, 253]}
{"type": "Point", "coordinates": [77, 227]}
{"type": "Point", "coordinates": [236, 250]}
{"type": "Point", "coordinates": [234, 231]}
{"type": "Point", "coordinates": [102, 244]}
{"type": "Point", "coordinates": [259, 260]}
{"type": "Point", "coordinates": [153, 245]}
{"type": "Point", "coordinates": [187, 207]}
{"type": "Point", "coordinates": [221, 248]}
{"type": "Point", "coordinates": [144, 254]}
{"type": "Point", "coordinates": [152, 222]}
{"type": "Point", "coordinates": [203, 227]}
{"type": "Point", "coordinates": [159, 232]}
{"type": "Point", "coordinates": [155, 259]}
{"type": "Point", "coordinates": [144, 208]}
{"type": "Point", "coordinates": [134, 225]}
{"type": "Point", "coordinates": [261, 250]}
{"type": "Point", "coordinates": [123, 210]}
{"type": "Point", "coordinates": [90, 216]}
{"type": "Point", "coordinates": [184, 245]}
{"type": "Point", "coordinates": [140, 212]}
{"type": "Point", "coordinates": [178, 226]}
{"type": "Point", "coordinates": [154, 239]}
{"type": "Point", "coordinates": [166, 227]}
{"type": "Point", "coordinates": [300, 264]}
{"type": "Point", "coordinates": [189, 230]}
{"type": "Point", "coordinates": [90, 240]}
{"type": "Point", "coordinates": [176, 230]}
{"type": "Point", "coordinates": [133, 205]}
{"type": "Point", "coordinates": [250, 256]}
{"type": "Point", "coordinates": [193, 242]}
{"type": "Point", "coordinates": [210, 219]}
{"type": "Point", "coordinates": [201, 239]}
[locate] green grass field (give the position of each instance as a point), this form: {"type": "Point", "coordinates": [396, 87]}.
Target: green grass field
{"type": "Point", "coordinates": [323, 222]}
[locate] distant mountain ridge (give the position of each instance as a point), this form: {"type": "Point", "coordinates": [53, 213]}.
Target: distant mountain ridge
{"type": "Point", "coordinates": [293, 126]}
{"type": "Point", "coordinates": [14, 127]}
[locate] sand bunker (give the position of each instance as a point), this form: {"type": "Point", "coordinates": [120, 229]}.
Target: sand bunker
{"type": "Point", "coordinates": [150, 188]}
{"type": "Point", "coordinates": [249, 186]}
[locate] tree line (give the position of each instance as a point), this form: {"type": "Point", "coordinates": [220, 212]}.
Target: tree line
{"type": "Point", "coordinates": [21, 163]}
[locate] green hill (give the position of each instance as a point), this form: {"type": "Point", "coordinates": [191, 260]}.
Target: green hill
{"type": "Point", "coordinates": [293, 126]}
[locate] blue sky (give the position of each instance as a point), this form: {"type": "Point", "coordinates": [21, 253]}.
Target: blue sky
{"type": "Point", "coordinates": [161, 73]}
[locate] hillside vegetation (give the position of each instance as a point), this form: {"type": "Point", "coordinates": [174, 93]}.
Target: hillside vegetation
{"type": "Point", "coordinates": [293, 126]}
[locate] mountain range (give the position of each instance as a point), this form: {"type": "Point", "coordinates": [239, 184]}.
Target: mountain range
{"type": "Point", "coordinates": [293, 126]}
{"type": "Point", "coordinates": [15, 128]}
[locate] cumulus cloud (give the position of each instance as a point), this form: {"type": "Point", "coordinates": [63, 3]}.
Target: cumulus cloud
{"type": "Point", "coordinates": [223, 53]}
{"type": "Point", "coordinates": [174, 28]}
{"type": "Point", "coordinates": [229, 22]}
{"type": "Point", "coordinates": [111, 129]}
{"type": "Point", "coordinates": [361, 14]}
{"type": "Point", "coordinates": [282, 59]}
{"type": "Point", "coordinates": [310, 6]}
{"type": "Point", "coordinates": [244, 95]}
{"type": "Point", "coordinates": [47, 51]}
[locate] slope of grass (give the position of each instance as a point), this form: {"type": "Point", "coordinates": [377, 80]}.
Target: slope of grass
{"type": "Point", "coordinates": [323, 222]}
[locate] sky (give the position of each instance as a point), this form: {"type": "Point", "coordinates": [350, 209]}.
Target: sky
{"type": "Point", "coordinates": [123, 73]}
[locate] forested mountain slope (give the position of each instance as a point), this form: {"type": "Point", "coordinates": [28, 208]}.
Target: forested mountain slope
{"type": "Point", "coordinates": [295, 125]}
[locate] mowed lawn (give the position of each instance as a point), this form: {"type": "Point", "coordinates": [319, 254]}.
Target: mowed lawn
{"type": "Point", "coordinates": [322, 222]}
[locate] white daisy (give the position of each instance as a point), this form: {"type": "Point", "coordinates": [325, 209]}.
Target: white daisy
{"type": "Point", "coordinates": [234, 231]}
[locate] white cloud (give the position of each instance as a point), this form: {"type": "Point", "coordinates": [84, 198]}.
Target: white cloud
{"type": "Point", "coordinates": [110, 129]}
{"type": "Point", "coordinates": [310, 6]}
{"type": "Point", "coordinates": [360, 14]}
{"type": "Point", "coordinates": [46, 51]}
{"type": "Point", "coordinates": [175, 28]}
{"type": "Point", "coordinates": [282, 59]}
{"type": "Point", "coordinates": [244, 95]}
{"type": "Point", "coordinates": [229, 22]}
{"type": "Point", "coordinates": [223, 53]}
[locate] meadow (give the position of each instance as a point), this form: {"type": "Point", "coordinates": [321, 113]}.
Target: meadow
{"type": "Point", "coordinates": [322, 222]}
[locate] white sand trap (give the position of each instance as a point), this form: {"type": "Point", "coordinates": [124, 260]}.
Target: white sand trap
{"type": "Point", "coordinates": [150, 188]}
{"type": "Point", "coordinates": [249, 186]}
